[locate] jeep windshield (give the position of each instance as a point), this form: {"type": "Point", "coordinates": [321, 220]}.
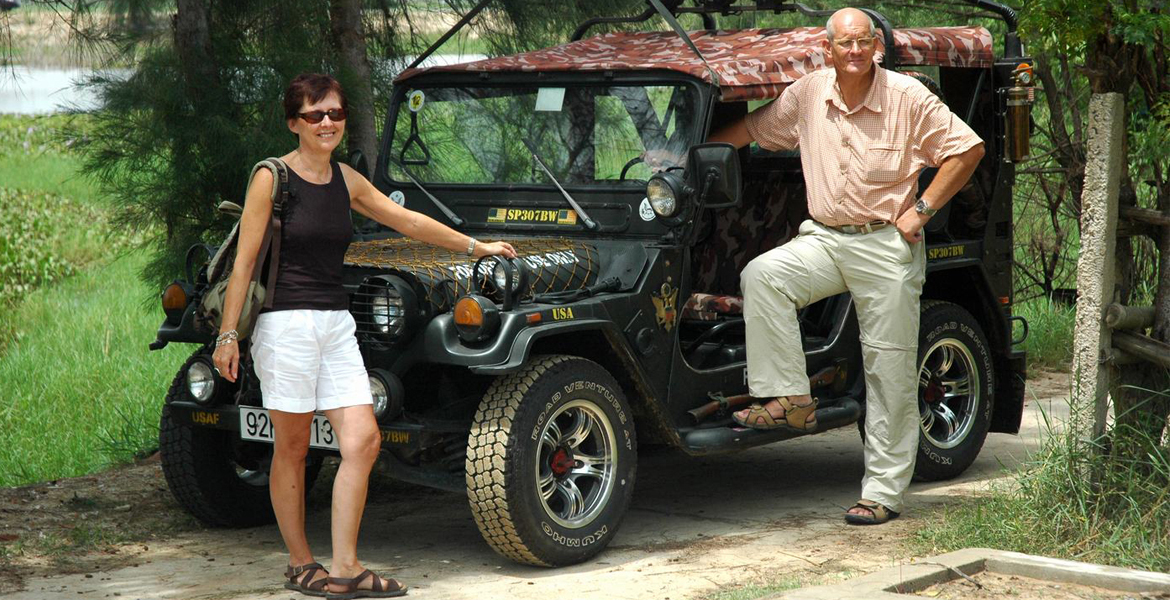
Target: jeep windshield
{"type": "Point", "coordinates": [585, 134]}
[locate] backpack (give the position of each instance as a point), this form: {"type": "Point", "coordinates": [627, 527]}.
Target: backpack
{"type": "Point", "coordinates": [259, 294]}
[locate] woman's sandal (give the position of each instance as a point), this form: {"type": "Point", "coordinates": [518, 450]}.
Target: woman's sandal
{"type": "Point", "coordinates": [306, 585]}
{"type": "Point", "coordinates": [878, 514]}
{"type": "Point", "coordinates": [351, 590]}
{"type": "Point", "coordinates": [795, 418]}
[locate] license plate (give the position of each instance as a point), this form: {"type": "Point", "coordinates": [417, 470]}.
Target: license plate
{"type": "Point", "coordinates": [257, 427]}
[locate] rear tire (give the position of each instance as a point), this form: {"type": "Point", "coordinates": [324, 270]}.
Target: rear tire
{"type": "Point", "coordinates": [955, 381]}
{"type": "Point", "coordinates": [220, 480]}
{"type": "Point", "coordinates": [551, 462]}
{"type": "Point", "coordinates": [954, 391]}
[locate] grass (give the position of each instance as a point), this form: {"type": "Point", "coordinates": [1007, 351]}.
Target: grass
{"type": "Point", "coordinates": [1076, 499]}
{"type": "Point", "coordinates": [73, 334]}
{"type": "Point", "coordinates": [35, 156]}
{"type": "Point", "coordinates": [751, 592]}
{"type": "Point", "coordinates": [781, 584]}
{"type": "Point", "coordinates": [1050, 333]}
{"type": "Point", "coordinates": [79, 375]}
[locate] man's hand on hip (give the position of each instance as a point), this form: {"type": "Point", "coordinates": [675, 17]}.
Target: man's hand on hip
{"type": "Point", "coordinates": [910, 225]}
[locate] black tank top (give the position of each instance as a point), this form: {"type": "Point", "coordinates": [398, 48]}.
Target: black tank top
{"type": "Point", "coordinates": [315, 232]}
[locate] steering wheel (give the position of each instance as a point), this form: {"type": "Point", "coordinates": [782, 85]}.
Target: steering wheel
{"type": "Point", "coordinates": [626, 168]}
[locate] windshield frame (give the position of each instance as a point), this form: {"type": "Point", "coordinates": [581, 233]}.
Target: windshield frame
{"type": "Point", "coordinates": [703, 94]}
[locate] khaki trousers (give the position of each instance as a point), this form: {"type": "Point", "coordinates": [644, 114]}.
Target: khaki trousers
{"type": "Point", "coordinates": [884, 273]}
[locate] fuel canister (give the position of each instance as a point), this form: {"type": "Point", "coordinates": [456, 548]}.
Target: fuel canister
{"type": "Point", "coordinates": [1019, 113]}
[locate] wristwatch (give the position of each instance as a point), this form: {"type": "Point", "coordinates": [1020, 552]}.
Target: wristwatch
{"type": "Point", "coordinates": [923, 209]}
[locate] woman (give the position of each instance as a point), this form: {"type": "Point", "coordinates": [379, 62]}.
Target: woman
{"type": "Point", "coordinates": [303, 348]}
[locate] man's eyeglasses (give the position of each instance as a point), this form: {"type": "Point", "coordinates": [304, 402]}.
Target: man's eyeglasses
{"type": "Point", "coordinates": [316, 116]}
{"type": "Point", "coordinates": [864, 43]}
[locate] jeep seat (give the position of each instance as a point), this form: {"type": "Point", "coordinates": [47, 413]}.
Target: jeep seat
{"type": "Point", "coordinates": [771, 210]}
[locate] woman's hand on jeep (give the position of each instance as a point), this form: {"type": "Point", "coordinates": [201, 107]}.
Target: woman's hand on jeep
{"type": "Point", "coordinates": [504, 249]}
{"type": "Point", "coordinates": [227, 360]}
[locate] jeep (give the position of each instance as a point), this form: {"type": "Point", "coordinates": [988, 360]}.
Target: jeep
{"type": "Point", "coordinates": [529, 383]}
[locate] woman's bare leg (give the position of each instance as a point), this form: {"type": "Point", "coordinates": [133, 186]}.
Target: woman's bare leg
{"type": "Point", "coordinates": [287, 482]}
{"type": "Point", "coordinates": [360, 440]}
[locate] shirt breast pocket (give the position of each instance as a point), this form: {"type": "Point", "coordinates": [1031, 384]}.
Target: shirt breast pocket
{"type": "Point", "coordinates": [883, 164]}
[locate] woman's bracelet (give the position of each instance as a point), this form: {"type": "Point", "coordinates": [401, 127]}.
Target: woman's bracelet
{"type": "Point", "coordinates": [471, 246]}
{"type": "Point", "coordinates": [226, 338]}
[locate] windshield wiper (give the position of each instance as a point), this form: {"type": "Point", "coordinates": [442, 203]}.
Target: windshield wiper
{"type": "Point", "coordinates": [456, 219]}
{"type": "Point", "coordinates": [590, 224]}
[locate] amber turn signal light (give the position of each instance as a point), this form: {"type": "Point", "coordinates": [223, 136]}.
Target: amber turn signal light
{"type": "Point", "coordinates": [174, 297]}
{"type": "Point", "coordinates": [476, 318]}
{"type": "Point", "coordinates": [174, 302]}
{"type": "Point", "coordinates": [468, 312]}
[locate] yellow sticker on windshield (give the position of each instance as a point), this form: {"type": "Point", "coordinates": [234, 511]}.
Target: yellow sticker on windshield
{"type": "Point", "coordinates": [532, 215]}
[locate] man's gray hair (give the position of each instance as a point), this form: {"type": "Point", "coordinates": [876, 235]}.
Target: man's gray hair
{"type": "Point", "coordinates": [829, 26]}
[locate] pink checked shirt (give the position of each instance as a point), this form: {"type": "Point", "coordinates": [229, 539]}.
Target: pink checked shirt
{"type": "Point", "coordinates": [861, 165]}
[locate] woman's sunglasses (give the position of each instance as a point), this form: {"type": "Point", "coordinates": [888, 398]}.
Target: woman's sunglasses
{"type": "Point", "coordinates": [316, 116]}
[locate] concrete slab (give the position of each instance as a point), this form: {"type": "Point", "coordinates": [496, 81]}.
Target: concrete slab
{"type": "Point", "coordinates": [894, 582]}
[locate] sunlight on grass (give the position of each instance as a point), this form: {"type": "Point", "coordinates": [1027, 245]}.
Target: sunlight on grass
{"type": "Point", "coordinates": [81, 390]}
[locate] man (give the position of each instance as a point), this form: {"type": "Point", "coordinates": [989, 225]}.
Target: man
{"type": "Point", "coordinates": [864, 134]}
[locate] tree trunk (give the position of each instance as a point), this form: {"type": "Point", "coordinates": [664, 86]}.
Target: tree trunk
{"type": "Point", "coordinates": [349, 39]}
{"type": "Point", "coordinates": [193, 45]}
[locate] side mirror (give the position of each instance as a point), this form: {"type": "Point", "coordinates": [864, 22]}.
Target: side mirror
{"type": "Point", "coordinates": [713, 171]}
{"type": "Point", "coordinates": [357, 160]}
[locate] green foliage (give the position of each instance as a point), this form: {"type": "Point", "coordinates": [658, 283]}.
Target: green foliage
{"type": "Point", "coordinates": [1072, 499]}
{"type": "Point", "coordinates": [27, 258]}
{"type": "Point", "coordinates": [1050, 333]}
{"type": "Point", "coordinates": [79, 376]}
{"type": "Point", "coordinates": [171, 143]}
{"type": "Point", "coordinates": [35, 154]}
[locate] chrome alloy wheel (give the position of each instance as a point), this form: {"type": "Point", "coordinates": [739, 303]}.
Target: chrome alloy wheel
{"type": "Point", "coordinates": [576, 463]}
{"type": "Point", "coordinates": [948, 392]}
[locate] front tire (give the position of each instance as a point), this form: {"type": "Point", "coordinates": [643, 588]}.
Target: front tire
{"type": "Point", "coordinates": [220, 480]}
{"type": "Point", "coordinates": [551, 461]}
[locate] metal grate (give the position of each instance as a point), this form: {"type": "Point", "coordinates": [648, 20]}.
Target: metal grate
{"type": "Point", "coordinates": [554, 264]}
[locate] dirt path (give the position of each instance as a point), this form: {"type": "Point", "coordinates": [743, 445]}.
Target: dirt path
{"type": "Point", "coordinates": [763, 517]}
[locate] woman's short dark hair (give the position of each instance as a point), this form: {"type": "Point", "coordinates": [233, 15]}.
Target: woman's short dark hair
{"type": "Point", "coordinates": [312, 87]}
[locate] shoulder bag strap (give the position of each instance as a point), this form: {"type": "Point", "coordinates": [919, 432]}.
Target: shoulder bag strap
{"type": "Point", "coordinates": [279, 200]}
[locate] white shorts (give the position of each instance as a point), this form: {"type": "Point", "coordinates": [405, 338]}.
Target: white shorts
{"type": "Point", "coordinates": [308, 360]}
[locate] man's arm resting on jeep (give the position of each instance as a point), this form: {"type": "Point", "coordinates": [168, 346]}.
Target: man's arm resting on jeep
{"type": "Point", "coordinates": [369, 201]}
{"type": "Point", "coordinates": [736, 134]}
{"type": "Point", "coordinates": [952, 175]}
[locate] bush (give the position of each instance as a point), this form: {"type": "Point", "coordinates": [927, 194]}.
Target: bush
{"type": "Point", "coordinates": [29, 225]}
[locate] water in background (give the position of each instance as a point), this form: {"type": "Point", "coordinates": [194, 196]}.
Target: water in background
{"type": "Point", "coordinates": [38, 91]}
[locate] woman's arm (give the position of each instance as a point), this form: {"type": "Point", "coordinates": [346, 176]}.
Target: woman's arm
{"type": "Point", "coordinates": [253, 224]}
{"type": "Point", "coordinates": [367, 200]}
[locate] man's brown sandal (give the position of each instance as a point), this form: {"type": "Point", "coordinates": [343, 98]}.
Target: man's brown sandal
{"type": "Point", "coordinates": [796, 418]}
{"type": "Point", "coordinates": [393, 589]}
{"type": "Point", "coordinates": [306, 585]}
{"type": "Point", "coordinates": [878, 514]}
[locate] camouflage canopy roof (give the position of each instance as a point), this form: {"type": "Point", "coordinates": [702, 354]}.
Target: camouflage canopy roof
{"type": "Point", "coordinates": [752, 63]}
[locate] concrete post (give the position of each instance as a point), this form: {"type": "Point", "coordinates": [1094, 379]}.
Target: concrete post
{"type": "Point", "coordinates": [1093, 373]}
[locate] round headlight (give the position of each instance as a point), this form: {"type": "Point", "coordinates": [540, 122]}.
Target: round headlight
{"type": "Point", "coordinates": [387, 311]}
{"type": "Point", "coordinates": [381, 396]}
{"type": "Point", "coordinates": [500, 277]}
{"type": "Point", "coordinates": [200, 382]}
{"type": "Point", "coordinates": [662, 196]}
